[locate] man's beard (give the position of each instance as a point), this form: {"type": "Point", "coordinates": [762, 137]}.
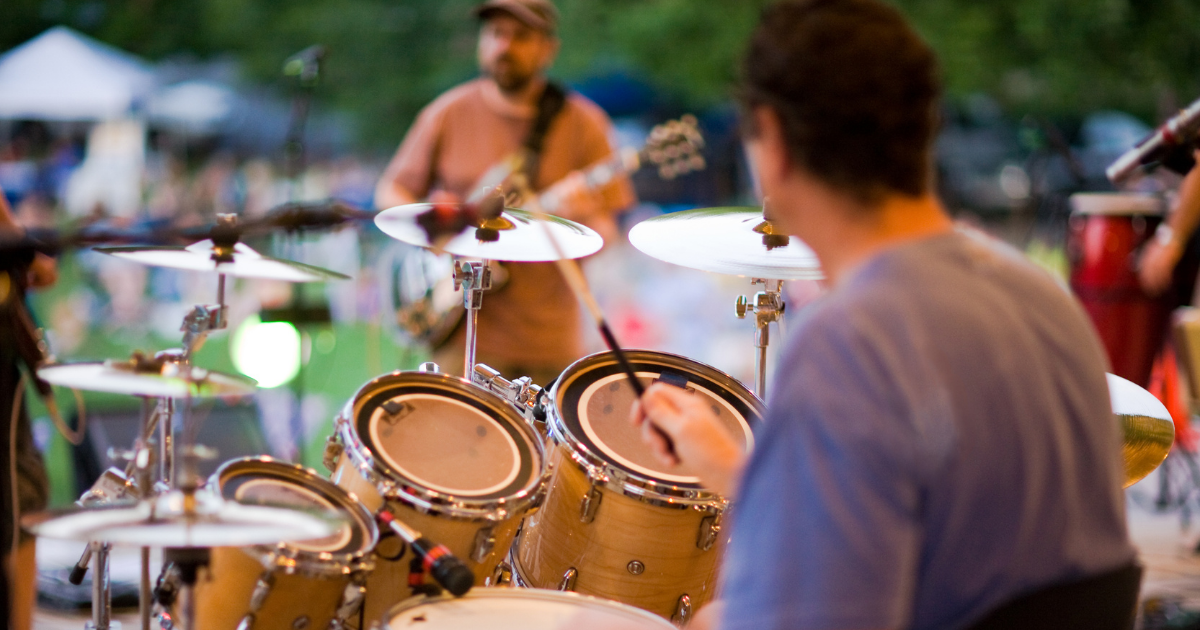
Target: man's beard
{"type": "Point", "coordinates": [510, 80]}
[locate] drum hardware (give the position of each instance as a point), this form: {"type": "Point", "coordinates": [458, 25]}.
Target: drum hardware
{"type": "Point", "coordinates": [767, 307]}
{"type": "Point", "coordinates": [429, 366]}
{"type": "Point", "coordinates": [485, 541]}
{"type": "Point", "coordinates": [501, 576]}
{"type": "Point", "coordinates": [635, 567]}
{"type": "Point", "coordinates": [710, 530]}
{"type": "Point", "coordinates": [590, 505]}
{"type": "Point", "coordinates": [568, 580]}
{"type": "Point", "coordinates": [519, 392]}
{"type": "Point", "coordinates": [683, 611]}
{"type": "Point", "coordinates": [472, 278]}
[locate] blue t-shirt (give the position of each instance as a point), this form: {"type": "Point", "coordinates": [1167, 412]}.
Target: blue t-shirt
{"type": "Point", "coordinates": [938, 440]}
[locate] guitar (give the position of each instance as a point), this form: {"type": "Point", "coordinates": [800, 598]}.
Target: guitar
{"type": "Point", "coordinates": [418, 285]}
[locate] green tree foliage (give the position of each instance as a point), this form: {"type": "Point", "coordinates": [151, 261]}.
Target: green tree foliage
{"type": "Point", "coordinates": [389, 57]}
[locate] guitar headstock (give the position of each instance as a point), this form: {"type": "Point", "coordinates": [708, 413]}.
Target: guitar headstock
{"type": "Point", "coordinates": [674, 147]}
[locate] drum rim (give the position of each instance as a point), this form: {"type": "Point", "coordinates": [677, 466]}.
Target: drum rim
{"type": "Point", "coordinates": [534, 594]}
{"type": "Point", "coordinates": [397, 488]}
{"type": "Point", "coordinates": [1146, 204]}
{"type": "Point", "coordinates": [630, 483]}
{"type": "Point", "coordinates": [290, 557]}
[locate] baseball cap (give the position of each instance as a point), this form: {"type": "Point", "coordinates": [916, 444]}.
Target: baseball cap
{"type": "Point", "coordinates": [539, 14]}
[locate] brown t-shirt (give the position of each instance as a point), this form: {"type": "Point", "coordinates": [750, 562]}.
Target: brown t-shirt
{"type": "Point", "coordinates": [534, 319]}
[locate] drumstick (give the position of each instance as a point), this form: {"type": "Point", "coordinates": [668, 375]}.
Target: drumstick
{"type": "Point", "coordinates": [574, 277]}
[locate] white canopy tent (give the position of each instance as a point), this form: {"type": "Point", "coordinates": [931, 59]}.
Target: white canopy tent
{"type": "Point", "coordinates": [62, 75]}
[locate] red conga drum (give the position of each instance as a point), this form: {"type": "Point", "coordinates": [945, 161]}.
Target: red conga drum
{"type": "Point", "coordinates": [1107, 231]}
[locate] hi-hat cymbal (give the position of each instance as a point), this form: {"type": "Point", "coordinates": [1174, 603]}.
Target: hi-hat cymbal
{"type": "Point", "coordinates": [140, 376]}
{"type": "Point", "coordinates": [734, 241]}
{"type": "Point", "coordinates": [243, 262]}
{"type": "Point", "coordinates": [1148, 429]}
{"type": "Point", "coordinates": [515, 236]}
{"type": "Point", "coordinates": [164, 522]}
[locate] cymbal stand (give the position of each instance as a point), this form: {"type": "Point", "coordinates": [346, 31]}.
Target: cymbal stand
{"type": "Point", "coordinates": [473, 278]}
{"type": "Point", "coordinates": [767, 307]}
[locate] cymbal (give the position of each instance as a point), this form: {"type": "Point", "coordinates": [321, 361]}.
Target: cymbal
{"type": "Point", "coordinates": [515, 236]}
{"type": "Point", "coordinates": [164, 522]}
{"type": "Point", "coordinates": [245, 263]}
{"type": "Point", "coordinates": [733, 240]}
{"type": "Point", "coordinates": [1148, 429]}
{"type": "Point", "coordinates": [139, 376]}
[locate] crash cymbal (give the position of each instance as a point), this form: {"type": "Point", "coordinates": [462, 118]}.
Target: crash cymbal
{"type": "Point", "coordinates": [165, 522]}
{"type": "Point", "coordinates": [141, 376]}
{"type": "Point", "coordinates": [514, 236]}
{"type": "Point", "coordinates": [734, 241]}
{"type": "Point", "coordinates": [243, 262]}
{"type": "Point", "coordinates": [1148, 429]}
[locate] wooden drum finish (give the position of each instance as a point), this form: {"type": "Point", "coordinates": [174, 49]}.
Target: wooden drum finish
{"type": "Point", "coordinates": [614, 524]}
{"type": "Point", "coordinates": [405, 441]}
{"type": "Point", "coordinates": [313, 584]}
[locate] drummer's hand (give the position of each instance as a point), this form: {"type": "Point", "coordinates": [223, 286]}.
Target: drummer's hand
{"type": "Point", "coordinates": [444, 196]}
{"type": "Point", "coordinates": [1156, 265]}
{"type": "Point", "coordinates": [699, 438]}
{"type": "Point", "coordinates": [571, 198]}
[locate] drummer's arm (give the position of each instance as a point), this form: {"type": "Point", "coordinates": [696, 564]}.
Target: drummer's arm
{"type": "Point", "coordinates": [43, 270]}
{"type": "Point", "coordinates": [1162, 253]}
{"type": "Point", "coordinates": [698, 437]}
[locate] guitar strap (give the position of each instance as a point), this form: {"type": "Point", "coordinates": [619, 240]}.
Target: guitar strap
{"type": "Point", "coordinates": [553, 98]}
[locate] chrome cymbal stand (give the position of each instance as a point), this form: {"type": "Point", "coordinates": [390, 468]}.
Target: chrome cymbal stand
{"type": "Point", "coordinates": [473, 278]}
{"type": "Point", "coordinates": [767, 307]}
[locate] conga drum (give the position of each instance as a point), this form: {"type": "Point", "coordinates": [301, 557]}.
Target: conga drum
{"type": "Point", "coordinates": [616, 523]}
{"type": "Point", "coordinates": [1106, 235]}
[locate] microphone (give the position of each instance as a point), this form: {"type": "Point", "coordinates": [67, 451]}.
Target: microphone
{"type": "Point", "coordinates": [450, 572]}
{"type": "Point", "coordinates": [1169, 145]}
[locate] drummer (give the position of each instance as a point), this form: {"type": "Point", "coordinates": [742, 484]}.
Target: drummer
{"type": "Point", "coordinates": [939, 441]}
{"type": "Point", "coordinates": [531, 325]}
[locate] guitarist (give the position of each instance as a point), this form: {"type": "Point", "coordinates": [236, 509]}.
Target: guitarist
{"type": "Point", "coordinates": [531, 327]}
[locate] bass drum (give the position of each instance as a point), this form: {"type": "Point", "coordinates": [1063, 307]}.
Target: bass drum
{"type": "Point", "coordinates": [450, 459]}
{"type": "Point", "coordinates": [310, 584]}
{"type": "Point", "coordinates": [615, 523]}
{"type": "Point", "coordinates": [508, 609]}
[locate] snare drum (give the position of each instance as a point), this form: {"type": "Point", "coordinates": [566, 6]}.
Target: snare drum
{"type": "Point", "coordinates": [448, 458]}
{"type": "Point", "coordinates": [311, 584]}
{"type": "Point", "coordinates": [1107, 232]}
{"type": "Point", "coordinates": [616, 523]}
{"type": "Point", "coordinates": [510, 609]}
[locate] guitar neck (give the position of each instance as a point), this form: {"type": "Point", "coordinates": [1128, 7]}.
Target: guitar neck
{"type": "Point", "coordinates": [620, 163]}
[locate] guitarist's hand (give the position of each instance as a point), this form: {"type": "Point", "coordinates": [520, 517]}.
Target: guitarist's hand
{"type": "Point", "coordinates": [571, 198]}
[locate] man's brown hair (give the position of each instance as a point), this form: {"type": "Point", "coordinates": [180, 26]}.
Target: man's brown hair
{"type": "Point", "coordinates": [856, 90]}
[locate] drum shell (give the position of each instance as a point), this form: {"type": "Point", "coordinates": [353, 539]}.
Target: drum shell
{"type": "Point", "coordinates": [388, 583]}
{"type": "Point", "coordinates": [224, 590]}
{"type": "Point", "coordinates": [664, 538]}
{"type": "Point", "coordinates": [458, 523]}
{"type": "Point", "coordinates": [1103, 251]}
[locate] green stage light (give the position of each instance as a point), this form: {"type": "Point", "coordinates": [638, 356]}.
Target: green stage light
{"type": "Point", "coordinates": [266, 352]}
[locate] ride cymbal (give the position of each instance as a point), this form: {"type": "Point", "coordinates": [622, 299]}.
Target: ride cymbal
{"type": "Point", "coordinates": [736, 241]}
{"type": "Point", "coordinates": [241, 262]}
{"type": "Point", "coordinates": [514, 236]}
{"type": "Point", "coordinates": [1148, 431]}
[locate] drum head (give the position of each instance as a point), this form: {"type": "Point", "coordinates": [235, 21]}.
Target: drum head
{"type": "Point", "coordinates": [263, 481]}
{"type": "Point", "coordinates": [593, 398]}
{"type": "Point", "coordinates": [513, 609]}
{"type": "Point", "coordinates": [441, 434]}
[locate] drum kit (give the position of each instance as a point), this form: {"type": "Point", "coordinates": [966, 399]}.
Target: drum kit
{"type": "Point", "coordinates": [487, 481]}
